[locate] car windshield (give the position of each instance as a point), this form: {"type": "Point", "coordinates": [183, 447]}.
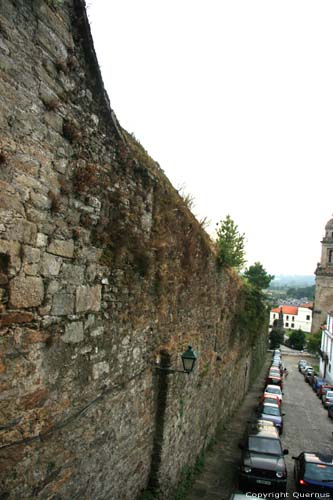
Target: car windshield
{"type": "Point", "coordinates": [274, 401]}
{"type": "Point", "coordinates": [273, 390]}
{"type": "Point", "coordinates": [329, 394]}
{"type": "Point", "coordinates": [318, 472]}
{"type": "Point", "coordinates": [271, 410]}
{"type": "Point", "coordinates": [265, 445]}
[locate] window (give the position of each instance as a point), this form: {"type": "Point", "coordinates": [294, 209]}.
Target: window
{"type": "Point", "coordinates": [293, 318]}
{"type": "Point", "coordinates": [287, 324]}
{"type": "Point", "coordinates": [308, 317]}
{"type": "Point", "coordinates": [273, 315]}
{"type": "Point", "coordinates": [287, 317]}
{"type": "Point", "coordinates": [292, 325]}
{"type": "Point", "coordinates": [330, 256]}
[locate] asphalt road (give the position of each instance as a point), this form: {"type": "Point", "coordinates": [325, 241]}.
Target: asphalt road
{"type": "Point", "coordinates": [306, 428]}
{"type": "Point", "coordinates": [306, 424]}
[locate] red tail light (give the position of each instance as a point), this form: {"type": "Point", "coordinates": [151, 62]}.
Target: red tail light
{"type": "Point", "coordinates": [302, 482]}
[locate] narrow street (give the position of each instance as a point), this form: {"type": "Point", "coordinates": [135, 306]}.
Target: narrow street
{"type": "Point", "coordinates": [306, 427]}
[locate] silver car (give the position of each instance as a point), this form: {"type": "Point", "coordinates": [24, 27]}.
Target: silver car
{"type": "Point", "coordinates": [327, 399]}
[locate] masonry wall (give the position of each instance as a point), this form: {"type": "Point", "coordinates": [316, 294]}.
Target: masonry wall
{"type": "Point", "coordinates": [102, 267]}
{"type": "Point", "coordinates": [323, 299]}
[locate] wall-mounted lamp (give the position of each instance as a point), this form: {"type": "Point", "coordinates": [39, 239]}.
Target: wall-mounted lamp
{"type": "Point", "coordinates": [189, 358]}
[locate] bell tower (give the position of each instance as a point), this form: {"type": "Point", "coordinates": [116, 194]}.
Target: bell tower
{"type": "Point", "coordinates": [324, 280]}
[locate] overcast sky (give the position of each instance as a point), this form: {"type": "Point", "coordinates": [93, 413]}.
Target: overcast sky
{"type": "Point", "coordinates": [234, 99]}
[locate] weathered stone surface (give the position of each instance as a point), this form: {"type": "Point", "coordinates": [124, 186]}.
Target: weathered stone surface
{"type": "Point", "coordinates": [62, 304]}
{"type": "Point", "coordinates": [71, 273]}
{"type": "Point", "coordinates": [41, 240]}
{"type": "Point", "coordinates": [88, 298]}
{"type": "Point", "coordinates": [26, 292]}
{"type": "Point", "coordinates": [12, 203]}
{"type": "Point", "coordinates": [26, 164]}
{"type": "Point", "coordinates": [55, 121]}
{"type": "Point", "coordinates": [15, 317]}
{"type": "Point", "coordinates": [50, 265]}
{"type": "Point", "coordinates": [62, 248]}
{"type": "Point", "coordinates": [100, 369]}
{"type": "Point", "coordinates": [97, 332]}
{"type": "Point", "coordinates": [73, 333]}
{"type": "Point", "coordinates": [31, 254]}
{"type": "Point", "coordinates": [40, 200]}
{"type": "Point", "coordinates": [21, 230]}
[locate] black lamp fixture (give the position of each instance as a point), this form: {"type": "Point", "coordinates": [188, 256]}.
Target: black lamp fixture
{"type": "Point", "coordinates": [189, 358]}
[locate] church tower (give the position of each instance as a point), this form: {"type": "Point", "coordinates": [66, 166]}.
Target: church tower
{"type": "Point", "coordinates": [324, 281]}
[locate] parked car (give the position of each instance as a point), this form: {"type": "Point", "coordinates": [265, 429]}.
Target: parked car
{"type": "Point", "coordinates": [274, 380]}
{"type": "Point", "coordinates": [305, 367]}
{"type": "Point", "coordinates": [321, 391]}
{"type": "Point", "coordinates": [313, 473]}
{"type": "Point", "coordinates": [273, 389]}
{"type": "Point", "coordinates": [263, 466]}
{"type": "Point", "coordinates": [317, 382]}
{"type": "Point", "coordinates": [302, 364]}
{"type": "Point", "coordinates": [330, 411]}
{"type": "Point", "coordinates": [327, 399]}
{"type": "Point", "coordinates": [309, 375]}
{"type": "Point", "coordinates": [271, 412]}
{"type": "Point", "coordinates": [269, 398]}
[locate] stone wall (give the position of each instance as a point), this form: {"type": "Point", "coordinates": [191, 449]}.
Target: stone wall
{"type": "Point", "coordinates": [102, 267]}
{"type": "Point", "coordinates": [323, 298]}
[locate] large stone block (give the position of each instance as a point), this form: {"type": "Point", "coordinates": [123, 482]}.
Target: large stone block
{"type": "Point", "coordinates": [50, 265]}
{"type": "Point", "coordinates": [21, 230]}
{"type": "Point", "coordinates": [62, 304]}
{"type": "Point", "coordinates": [12, 203]}
{"type": "Point", "coordinates": [88, 298]}
{"type": "Point", "coordinates": [72, 274]}
{"type": "Point", "coordinates": [73, 333]}
{"type": "Point", "coordinates": [26, 292]}
{"type": "Point", "coordinates": [31, 255]}
{"type": "Point", "coordinates": [62, 248]}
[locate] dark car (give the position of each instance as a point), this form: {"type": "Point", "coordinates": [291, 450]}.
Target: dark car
{"type": "Point", "coordinates": [309, 376]}
{"type": "Point", "coordinates": [330, 411]}
{"type": "Point", "coordinates": [317, 382]}
{"type": "Point", "coordinates": [314, 473]}
{"type": "Point", "coordinates": [272, 413]}
{"type": "Point", "coordinates": [263, 466]}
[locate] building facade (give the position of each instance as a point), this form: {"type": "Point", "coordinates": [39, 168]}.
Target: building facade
{"type": "Point", "coordinates": [326, 352]}
{"type": "Point", "coordinates": [294, 318]}
{"type": "Point", "coordinates": [324, 281]}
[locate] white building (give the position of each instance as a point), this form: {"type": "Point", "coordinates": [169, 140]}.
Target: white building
{"type": "Point", "coordinates": [294, 317]}
{"type": "Point", "coordinates": [326, 354]}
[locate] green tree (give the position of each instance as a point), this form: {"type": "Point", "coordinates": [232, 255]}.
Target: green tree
{"type": "Point", "coordinates": [297, 340]}
{"type": "Point", "coordinates": [314, 342]}
{"type": "Point", "coordinates": [230, 244]}
{"type": "Point", "coordinates": [276, 338]}
{"type": "Point", "coordinates": [257, 276]}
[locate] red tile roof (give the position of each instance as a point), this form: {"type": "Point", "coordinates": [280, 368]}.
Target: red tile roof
{"type": "Point", "coordinates": [293, 310]}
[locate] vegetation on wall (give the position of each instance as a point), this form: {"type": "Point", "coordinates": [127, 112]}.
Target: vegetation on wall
{"type": "Point", "coordinates": [254, 313]}
{"type": "Point", "coordinates": [230, 244]}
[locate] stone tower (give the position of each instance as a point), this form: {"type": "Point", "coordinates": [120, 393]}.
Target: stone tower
{"type": "Point", "coordinates": [324, 280]}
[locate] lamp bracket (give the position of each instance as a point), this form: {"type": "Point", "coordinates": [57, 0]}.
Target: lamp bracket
{"type": "Point", "coordinates": [171, 370]}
